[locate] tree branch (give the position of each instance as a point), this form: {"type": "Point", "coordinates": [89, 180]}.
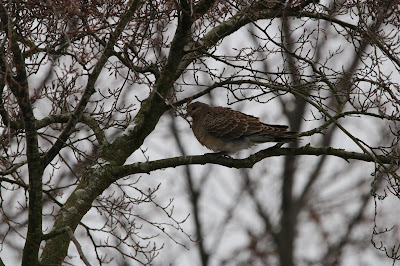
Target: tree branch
{"type": "Point", "coordinates": [90, 87]}
{"type": "Point", "coordinates": [14, 182]}
{"type": "Point", "coordinates": [78, 246]}
{"type": "Point", "coordinates": [17, 80]}
{"type": "Point", "coordinates": [249, 162]}
{"type": "Point", "coordinates": [370, 33]}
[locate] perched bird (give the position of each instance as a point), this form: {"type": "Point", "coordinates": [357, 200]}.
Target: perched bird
{"type": "Point", "coordinates": [228, 131]}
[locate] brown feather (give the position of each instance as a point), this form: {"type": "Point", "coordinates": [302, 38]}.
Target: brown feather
{"type": "Point", "coordinates": [227, 130]}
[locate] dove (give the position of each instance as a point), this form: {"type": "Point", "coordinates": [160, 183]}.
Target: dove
{"type": "Point", "coordinates": [227, 131]}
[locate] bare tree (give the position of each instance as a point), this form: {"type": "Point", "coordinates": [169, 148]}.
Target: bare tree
{"type": "Point", "coordinates": [85, 83]}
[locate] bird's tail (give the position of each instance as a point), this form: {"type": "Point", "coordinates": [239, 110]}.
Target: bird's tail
{"type": "Point", "coordinates": [288, 136]}
{"type": "Point", "coordinates": [275, 133]}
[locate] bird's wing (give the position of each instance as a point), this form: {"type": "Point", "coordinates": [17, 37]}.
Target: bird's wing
{"type": "Point", "coordinates": [273, 130]}
{"type": "Point", "coordinates": [228, 124]}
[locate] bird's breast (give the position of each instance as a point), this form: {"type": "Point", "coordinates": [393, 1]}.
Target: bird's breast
{"type": "Point", "coordinates": [218, 144]}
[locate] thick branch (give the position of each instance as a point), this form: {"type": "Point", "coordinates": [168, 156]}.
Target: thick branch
{"type": "Point", "coordinates": [249, 162]}
{"type": "Point", "coordinates": [17, 80]}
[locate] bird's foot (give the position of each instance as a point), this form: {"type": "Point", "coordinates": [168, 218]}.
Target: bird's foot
{"type": "Point", "coordinates": [221, 153]}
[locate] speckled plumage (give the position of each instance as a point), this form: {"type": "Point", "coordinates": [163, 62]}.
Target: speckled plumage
{"type": "Point", "coordinates": [228, 131]}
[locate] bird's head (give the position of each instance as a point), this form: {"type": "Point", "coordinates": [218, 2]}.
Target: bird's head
{"type": "Point", "coordinates": [194, 109]}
